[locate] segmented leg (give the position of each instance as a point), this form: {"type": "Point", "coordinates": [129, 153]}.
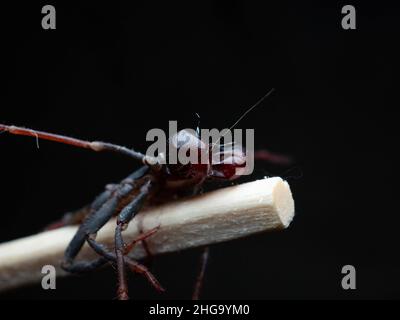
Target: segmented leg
{"type": "Point", "coordinates": [132, 264]}
{"type": "Point", "coordinates": [141, 238]}
{"type": "Point", "coordinates": [200, 278]}
{"type": "Point", "coordinates": [106, 207]}
{"type": "Point", "coordinates": [203, 259]}
{"type": "Point", "coordinates": [125, 216]}
{"type": "Point", "coordinates": [86, 266]}
{"type": "Point", "coordinates": [93, 224]}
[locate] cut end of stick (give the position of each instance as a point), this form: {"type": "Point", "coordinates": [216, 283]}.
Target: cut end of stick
{"type": "Point", "coordinates": [284, 203]}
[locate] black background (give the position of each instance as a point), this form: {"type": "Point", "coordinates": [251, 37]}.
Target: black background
{"type": "Point", "coordinates": [113, 71]}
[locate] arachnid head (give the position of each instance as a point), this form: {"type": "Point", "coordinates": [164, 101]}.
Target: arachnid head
{"type": "Point", "coordinates": [196, 159]}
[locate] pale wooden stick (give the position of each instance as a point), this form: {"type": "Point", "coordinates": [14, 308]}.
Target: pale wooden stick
{"type": "Point", "coordinates": [213, 217]}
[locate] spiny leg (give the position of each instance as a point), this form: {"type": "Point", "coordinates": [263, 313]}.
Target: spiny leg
{"type": "Point", "coordinates": [91, 225]}
{"type": "Point", "coordinates": [132, 264]}
{"type": "Point", "coordinates": [87, 266]}
{"type": "Point", "coordinates": [148, 259]}
{"type": "Point", "coordinates": [203, 258]}
{"type": "Point", "coordinates": [92, 145]}
{"type": "Point", "coordinates": [140, 268]}
{"type": "Point", "coordinates": [200, 278]}
{"type": "Point", "coordinates": [102, 250]}
{"type": "Point", "coordinates": [122, 290]}
{"type": "Point", "coordinates": [105, 210]}
{"type": "Point", "coordinates": [125, 216]}
{"type": "Point", "coordinates": [142, 237]}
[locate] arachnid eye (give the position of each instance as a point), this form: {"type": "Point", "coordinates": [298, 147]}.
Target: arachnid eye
{"type": "Point", "coordinates": [187, 139]}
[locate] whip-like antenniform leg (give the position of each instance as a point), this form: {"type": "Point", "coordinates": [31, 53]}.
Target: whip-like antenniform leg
{"type": "Point", "coordinates": [92, 145]}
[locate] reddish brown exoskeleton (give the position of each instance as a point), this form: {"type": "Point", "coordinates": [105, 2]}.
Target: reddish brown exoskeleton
{"type": "Point", "coordinates": [155, 181]}
{"type": "Point", "coordinates": [152, 181]}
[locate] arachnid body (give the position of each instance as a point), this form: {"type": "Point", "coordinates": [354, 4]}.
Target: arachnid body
{"type": "Point", "coordinates": [153, 182]}
{"type": "Point", "coordinates": [158, 180]}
